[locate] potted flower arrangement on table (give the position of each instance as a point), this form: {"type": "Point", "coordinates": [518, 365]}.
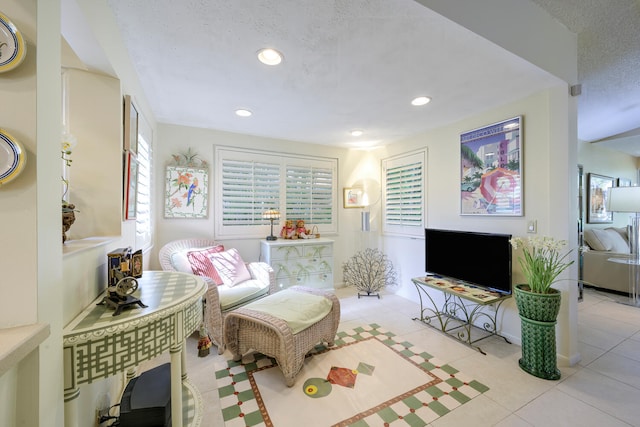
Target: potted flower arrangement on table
{"type": "Point", "coordinates": [538, 302]}
{"type": "Point", "coordinates": [68, 209]}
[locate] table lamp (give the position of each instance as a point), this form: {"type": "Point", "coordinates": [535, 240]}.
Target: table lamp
{"type": "Point", "coordinates": [271, 215]}
{"type": "Point", "coordinates": [627, 200]}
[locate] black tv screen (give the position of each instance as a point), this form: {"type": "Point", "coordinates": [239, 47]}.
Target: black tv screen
{"type": "Point", "coordinates": [481, 259]}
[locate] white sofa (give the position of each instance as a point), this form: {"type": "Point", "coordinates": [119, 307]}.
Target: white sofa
{"type": "Point", "coordinates": [598, 270]}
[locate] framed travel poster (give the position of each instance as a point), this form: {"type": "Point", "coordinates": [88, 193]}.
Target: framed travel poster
{"type": "Point", "coordinates": [491, 169]}
{"type": "Point", "coordinates": [598, 187]}
{"type": "Point", "coordinates": [186, 192]}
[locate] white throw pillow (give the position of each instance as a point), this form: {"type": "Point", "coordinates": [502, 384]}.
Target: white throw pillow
{"type": "Point", "coordinates": [598, 239]}
{"type": "Point", "coordinates": [618, 244]}
{"type": "Point", "coordinates": [622, 231]}
{"type": "Point", "coordinates": [180, 261]}
{"type": "Point", "coordinates": [230, 267]}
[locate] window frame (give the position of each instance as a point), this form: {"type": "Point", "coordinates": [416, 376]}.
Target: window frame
{"type": "Point", "coordinates": [144, 221]}
{"type": "Point", "coordinates": [261, 227]}
{"type": "Point", "coordinates": [405, 229]}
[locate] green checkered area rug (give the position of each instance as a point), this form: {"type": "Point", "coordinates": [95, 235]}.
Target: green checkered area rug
{"type": "Point", "coordinates": [367, 379]}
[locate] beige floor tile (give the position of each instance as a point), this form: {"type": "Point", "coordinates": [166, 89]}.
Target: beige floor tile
{"type": "Point", "coordinates": [513, 421]}
{"type": "Point", "coordinates": [589, 353]}
{"type": "Point", "coordinates": [605, 340]}
{"type": "Point", "coordinates": [555, 408]}
{"type": "Point", "coordinates": [629, 348]}
{"type": "Point", "coordinates": [609, 325]}
{"type": "Point", "coordinates": [619, 367]}
{"type": "Point", "coordinates": [610, 396]}
{"type": "Point", "coordinates": [479, 412]}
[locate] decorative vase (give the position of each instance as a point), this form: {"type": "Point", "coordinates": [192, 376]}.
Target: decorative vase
{"type": "Point", "coordinates": [68, 218]}
{"type": "Point", "coordinates": [538, 315]}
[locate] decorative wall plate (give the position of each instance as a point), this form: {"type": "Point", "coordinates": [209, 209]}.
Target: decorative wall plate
{"type": "Point", "coordinates": [13, 49]}
{"type": "Point", "coordinates": [12, 157]}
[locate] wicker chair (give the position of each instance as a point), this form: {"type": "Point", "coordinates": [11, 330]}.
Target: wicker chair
{"type": "Point", "coordinates": [215, 310]}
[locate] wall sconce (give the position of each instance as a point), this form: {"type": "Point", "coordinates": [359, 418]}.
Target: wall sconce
{"type": "Point", "coordinates": [271, 215]}
{"type": "Point", "coordinates": [364, 221]}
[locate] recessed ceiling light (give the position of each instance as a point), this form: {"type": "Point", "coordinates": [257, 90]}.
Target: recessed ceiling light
{"type": "Point", "coordinates": [356, 132]}
{"type": "Point", "coordinates": [421, 100]}
{"type": "Point", "coordinates": [269, 56]}
{"type": "Point", "coordinates": [243, 113]}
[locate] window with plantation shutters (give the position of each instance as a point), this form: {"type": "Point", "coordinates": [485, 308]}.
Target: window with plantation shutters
{"type": "Point", "coordinates": [249, 182]}
{"type": "Point", "coordinates": [309, 194]}
{"type": "Point", "coordinates": [249, 188]}
{"type": "Point", "coordinates": [403, 194]}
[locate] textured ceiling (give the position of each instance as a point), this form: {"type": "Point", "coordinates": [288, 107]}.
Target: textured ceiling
{"type": "Point", "coordinates": [608, 67]}
{"type": "Point", "coordinates": [357, 63]}
{"type": "Point", "coordinates": [348, 64]}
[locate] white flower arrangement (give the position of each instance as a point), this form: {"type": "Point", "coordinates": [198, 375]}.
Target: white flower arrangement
{"type": "Point", "coordinates": [542, 262]}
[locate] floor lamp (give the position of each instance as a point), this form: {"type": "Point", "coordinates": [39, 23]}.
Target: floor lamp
{"type": "Point", "coordinates": [627, 200]}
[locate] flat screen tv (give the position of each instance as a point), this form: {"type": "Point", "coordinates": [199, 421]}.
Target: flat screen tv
{"type": "Point", "coordinates": [481, 259]}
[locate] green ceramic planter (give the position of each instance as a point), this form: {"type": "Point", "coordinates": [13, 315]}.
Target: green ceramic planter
{"type": "Point", "coordinates": [538, 314]}
{"type": "Point", "coordinates": [540, 307]}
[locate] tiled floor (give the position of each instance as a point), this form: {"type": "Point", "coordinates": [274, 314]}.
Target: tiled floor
{"type": "Point", "coordinates": [602, 390]}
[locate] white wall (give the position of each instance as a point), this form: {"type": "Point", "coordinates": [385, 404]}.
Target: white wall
{"type": "Point", "coordinates": [548, 193]}
{"type": "Point", "coordinates": [84, 260]}
{"type": "Point", "coordinates": [30, 214]}
{"type": "Point", "coordinates": [543, 184]}
{"type": "Point", "coordinates": [30, 204]}
{"type": "Point", "coordinates": [354, 168]}
{"type": "Point", "coordinates": [519, 26]}
{"type": "Point", "coordinates": [524, 29]}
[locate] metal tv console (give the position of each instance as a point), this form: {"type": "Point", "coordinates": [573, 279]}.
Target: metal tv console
{"type": "Point", "coordinates": [455, 317]}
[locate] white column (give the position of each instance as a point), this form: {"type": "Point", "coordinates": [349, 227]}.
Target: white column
{"type": "Point", "coordinates": [176, 385]}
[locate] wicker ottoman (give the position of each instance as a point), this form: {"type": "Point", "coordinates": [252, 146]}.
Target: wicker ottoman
{"type": "Point", "coordinates": [246, 329]}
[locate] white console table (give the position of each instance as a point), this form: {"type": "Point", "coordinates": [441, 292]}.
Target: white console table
{"type": "Point", "coordinates": [98, 345]}
{"type": "Point", "coordinates": [300, 262]}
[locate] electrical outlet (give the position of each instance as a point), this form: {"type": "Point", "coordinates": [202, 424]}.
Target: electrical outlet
{"type": "Point", "coordinates": [102, 415]}
{"type": "Point", "coordinates": [103, 403]}
{"type": "Point", "coordinates": [532, 226]}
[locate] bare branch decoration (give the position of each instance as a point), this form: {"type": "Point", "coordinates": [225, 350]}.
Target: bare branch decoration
{"type": "Point", "coordinates": [369, 271]}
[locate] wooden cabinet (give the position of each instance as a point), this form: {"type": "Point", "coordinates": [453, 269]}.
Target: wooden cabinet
{"type": "Point", "coordinates": [304, 262]}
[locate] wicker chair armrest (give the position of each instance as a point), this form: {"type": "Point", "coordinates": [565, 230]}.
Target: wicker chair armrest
{"type": "Point", "coordinates": [213, 318]}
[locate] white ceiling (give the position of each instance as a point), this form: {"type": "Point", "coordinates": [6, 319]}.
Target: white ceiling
{"type": "Point", "coordinates": [608, 68]}
{"type": "Point", "coordinates": [353, 64]}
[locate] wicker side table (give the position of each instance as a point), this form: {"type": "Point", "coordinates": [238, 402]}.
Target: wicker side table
{"type": "Point", "coordinates": [247, 329]}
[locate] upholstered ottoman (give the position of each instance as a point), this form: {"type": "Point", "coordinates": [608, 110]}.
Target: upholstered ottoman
{"type": "Point", "coordinates": [285, 325]}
